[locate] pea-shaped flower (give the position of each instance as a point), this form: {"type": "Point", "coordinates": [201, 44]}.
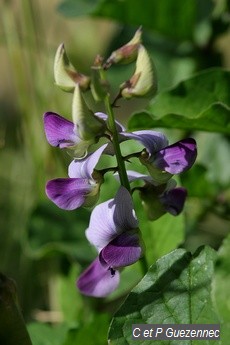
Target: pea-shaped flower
{"type": "Point", "coordinates": [81, 188]}
{"type": "Point", "coordinates": [114, 231]}
{"type": "Point", "coordinates": [163, 160]}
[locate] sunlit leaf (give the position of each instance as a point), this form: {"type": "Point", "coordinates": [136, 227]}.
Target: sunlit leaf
{"type": "Point", "coordinates": [199, 103]}
{"type": "Point", "coordinates": [175, 290]}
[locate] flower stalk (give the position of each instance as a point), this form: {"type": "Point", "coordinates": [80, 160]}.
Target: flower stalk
{"type": "Point", "coordinates": [112, 127]}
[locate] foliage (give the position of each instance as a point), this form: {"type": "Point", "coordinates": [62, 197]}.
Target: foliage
{"type": "Point", "coordinates": [44, 248]}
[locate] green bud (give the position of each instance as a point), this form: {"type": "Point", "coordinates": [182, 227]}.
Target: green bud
{"type": "Point", "coordinates": [65, 75]}
{"type": "Point", "coordinates": [126, 53]}
{"type": "Point", "coordinates": [88, 125]}
{"type": "Point", "coordinates": [144, 81]}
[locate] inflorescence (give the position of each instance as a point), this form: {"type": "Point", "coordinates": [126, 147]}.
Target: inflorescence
{"type": "Point", "coordinates": [113, 228]}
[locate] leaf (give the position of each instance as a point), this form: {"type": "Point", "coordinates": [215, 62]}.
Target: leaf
{"type": "Point", "coordinates": [175, 290]}
{"type": "Point", "coordinates": [92, 333]}
{"type": "Point", "coordinates": [196, 182]}
{"type": "Point", "coordinates": [70, 300]}
{"type": "Point", "coordinates": [222, 287]}
{"type": "Point", "coordinates": [44, 334]}
{"type": "Point", "coordinates": [160, 236]}
{"type": "Point", "coordinates": [161, 16]}
{"type": "Point", "coordinates": [12, 328]}
{"type": "Point", "coordinates": [199, 103]}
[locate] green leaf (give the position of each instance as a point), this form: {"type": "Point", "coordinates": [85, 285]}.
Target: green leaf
{"type": "Point", "coordinates": [222, 288]}
{"type": "Point", "coordinates": [175, 19]}
{"type": "Point", "coordinates": [70, 300]}
{"type": "Point", "coordinates": [12, 328]}
{"type": "Point", "coordinates": [175, 290]}
{"type": "Point", "coordinates": [196, 182]}
{"type": "Point", "coordinates": [94, 332]}
{"type": "Point", "coordinates": [199, 103]}
{"type": "Point", "coordinates": [164, 235]}
{"type": "Point", "coordinates": [160, 236]}
{"type": "Point", "coordinates": [44, 334]}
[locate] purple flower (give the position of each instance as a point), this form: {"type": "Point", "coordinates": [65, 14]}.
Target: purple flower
{"type": "Point", "coordinates": [62, 133]}
{"type": "Point", "coordinates": [161, 160]}
{"type": "Point", "coordinates": [114, 231]}
{"type": "Point", "coordinates": [81, 188]}
{"type": "Point", "coordinates": [159, 199]}
{"type": "Point", "coordinates": [177, 157]}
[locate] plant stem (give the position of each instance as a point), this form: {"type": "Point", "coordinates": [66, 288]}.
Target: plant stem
{"type": "Point", "coordinates": [112, 127]}
{"type": "Point", "coordinates": [120, 161]}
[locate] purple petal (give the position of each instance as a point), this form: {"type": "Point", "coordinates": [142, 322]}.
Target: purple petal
{"type": "Point", "coordinates": [68, 193]}
{"type": "Point", "coordinates": [173, 200]}
{"type": "Point", "coordinates": [124, 215]}
{"type": "Point", "coordinates": [59, 131]}
{"type": "Point", "coordinates": [84, 168]}
{"type": "Point", "coordinates": [153, 141]}
{"type": "Point", "coordinates": [98, 280]}
{"type": "Point", "coordinates": [111, 218]}
{"type": "Point", "coordinates": [124, 250]}
{"type": "Point", "coordinates": [176, 158]}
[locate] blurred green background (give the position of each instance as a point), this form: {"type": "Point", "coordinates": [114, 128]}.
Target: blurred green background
{"type": "Point", "coordinates": [42, 247]}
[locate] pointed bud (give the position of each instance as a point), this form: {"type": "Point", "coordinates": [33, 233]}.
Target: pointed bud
{"type": "Point", "coordinates": [87, 124]}
{"type": "Point", "coordinates": [144, 80]}
{"type": "Point", "coordinates": [126, 53]}
{"type": "Point", "coordinates": [65, 75]}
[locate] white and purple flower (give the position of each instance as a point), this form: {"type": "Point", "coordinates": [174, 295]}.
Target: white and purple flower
{"type": "Point", "coordinates": [83, 185]}
{"type": "Point", "coordinates": [163, 160]}
{"type": "Point", "coordinates": [114, 231]}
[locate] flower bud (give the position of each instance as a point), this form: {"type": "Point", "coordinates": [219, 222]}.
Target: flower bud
{"type": "Point", "coordinates": [126, 53]}
{"type": "Point", "coordinates": [87, 124]}
{"type": "Point", "coordinates": [144, 80]}
{"type": "Point", "coordinates": [65, 75]}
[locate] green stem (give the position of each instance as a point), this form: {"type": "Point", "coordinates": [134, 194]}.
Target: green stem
{"type": "Point", "coordinates": [120, 161]}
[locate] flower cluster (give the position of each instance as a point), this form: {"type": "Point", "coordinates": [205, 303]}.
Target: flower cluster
{"type": "Point", "coordinates": [113, 228]}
